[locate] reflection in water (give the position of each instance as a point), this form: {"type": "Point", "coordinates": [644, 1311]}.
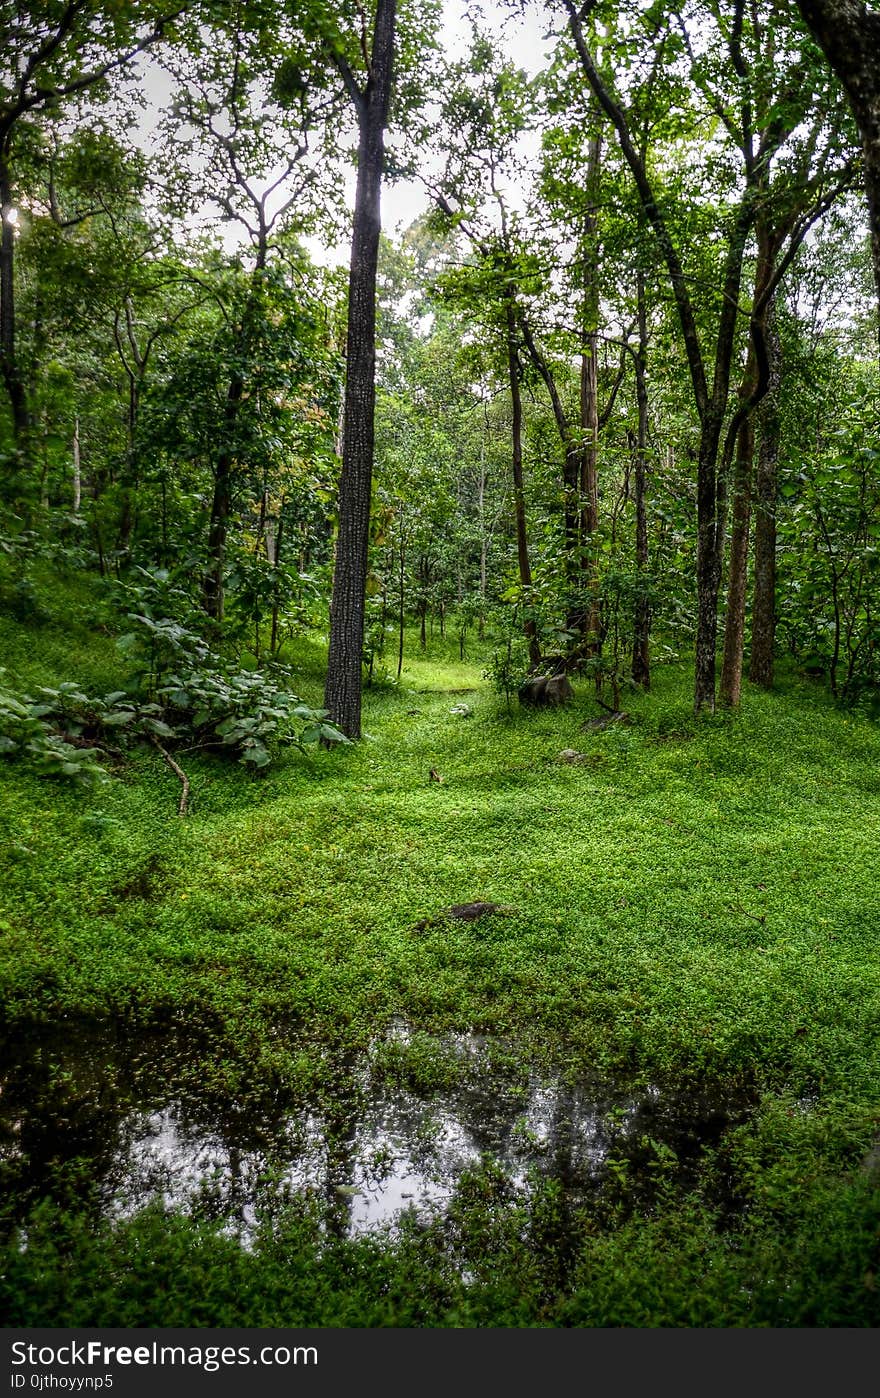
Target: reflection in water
{"type": "Point", "coordinates": [380, 1147]}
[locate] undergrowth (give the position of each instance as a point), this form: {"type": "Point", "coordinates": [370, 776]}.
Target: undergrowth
{"type": "Point", "coordinates": [689, 899]}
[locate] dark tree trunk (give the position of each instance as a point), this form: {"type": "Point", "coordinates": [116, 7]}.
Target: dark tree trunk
{"type": "Point", "coordinates": [708, 566]}
{"type": "Point", "coordinates": [764, 598]}
{"type": "Point", "coordinates": [342, 693]}
{"type": "Point", "coordinates": [757, 375]}
{"type": "Point", "coordinates": [130, 478]}
{"type": "Point", "coordinates": [571, 471]}
{"type": "Point", "coordinates": [730, 685]}
{"type": "Point", "coordinates": [276, 565]}
{"type": "Point", "coordinates": [589, 409]}
{"type": "Point", "coordinates": [641, 665]}
{"type": "Point", "coordinates": [530, 630]}
{"type": "Point", "coordinates": [401, 614]}
{"type": "Point", "coordinates": [849, 36]}
{"type": "Point", "coordinates": [12, 379]}
{"type": "Point", "coordinates": [221, 504]}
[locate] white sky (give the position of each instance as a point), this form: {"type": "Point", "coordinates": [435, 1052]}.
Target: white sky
{"type": "Point", "coordinates": [520, 38]}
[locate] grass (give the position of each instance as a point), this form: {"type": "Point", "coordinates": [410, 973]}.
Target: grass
{"type": "Point", "coordinates": [694, 902]}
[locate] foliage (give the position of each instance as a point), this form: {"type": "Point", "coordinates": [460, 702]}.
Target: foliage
{"type": "Point", "coordinates": [689, 900]}
{"type": "Point", "coordinates": [831, 564]}
{"type": "Point", "coordinates": [246, 712]}
{"type": "Point", "coordinates": [190, 700]}
{"type": "Point", "coordinates": [631, 953]}
{"type": "Point", "coordinates": [30, 726]}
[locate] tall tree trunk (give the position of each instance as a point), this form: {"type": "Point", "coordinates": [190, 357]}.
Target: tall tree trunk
{"type": "Point", "coordinates": [572, 470]}
{"type": "Point", "coordinates": [589, 407]}
{"type": "Point", "coordinates": [342, 693]}
{"type": "Point", "coordinates": [12, 379]}
{"type": "Point", "coordinates": [401, 614]}
{"type": "Point", "coordinates": [130, 477]}
{"type": "Point", "coordinates": [276, 565]}
{"type": "Point", "coordinates": [77, 471]}
{"type": "Point", "coordinates": [764, 598]}
{"type": "Point", "coordinates": [221, 504]}
{"type": "Point", "coordinates": [481, 512]}
{"type": "Point", "coordinates": [530, 630]}
{"type": "Point", "coordinates": [730, 686]}
{"type": "Point", "coordinates": [641, 665]}
{"type": "Point", "coordinates": [708, 566]}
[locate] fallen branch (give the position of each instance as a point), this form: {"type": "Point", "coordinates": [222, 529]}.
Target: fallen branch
{"type": "Point", "coordinates": [178, 772]}
{"type": "Point", "coordinates": [737, 908]}
{"type": "Point", "coordinates": [469, 689]}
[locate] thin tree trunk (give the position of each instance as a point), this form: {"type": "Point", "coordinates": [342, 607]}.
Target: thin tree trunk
{"type": "Point", "coordinates": [401, 615]}
{"type": "Point", "coordinates": [276, 564]}
{"type": "Point", "coordinates": [12, 379]}
{"type": "Point", "coordinates": [711, 402]}
{"type": "Point", "coordinates": [77, 472]}
{"type": "Point", "coordinates": [708, 565]}
{"type": "Point", "coordinates": [530, 630]}
{"type": "Point", "coordinates": [481, 507]}
{"type": "Point", "coordinates": [641, 659]}
{"type": "Point", "coordinates": [764, 598]}
{"type": "Point", "coordinates": [572, 472]}
{"type": "Point", "coordinates": [730, 686]}
{"type": "Point", "coordinates": [164, 488]}
{"type": "Point", "coordinates": [130, 478]}
{"type": "Point", "coordinates": [342, 693]}
{"type": "Point", "coordinates": [221, 504]}
{"type": "Point", "coordinates": [589, 407]}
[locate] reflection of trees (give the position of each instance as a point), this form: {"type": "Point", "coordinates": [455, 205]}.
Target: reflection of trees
{"type": "Point", "coordinates": [98, 1124]}
{"type": "Point", "coordinates": [341, 1122]}
{"type": "Point", "coordinates": [61, 1121]}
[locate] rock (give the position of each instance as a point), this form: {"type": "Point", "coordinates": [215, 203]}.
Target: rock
{"type": "Point", "coordinates": [546, 691]}
{"type": "Point", "coordinates": [463, 912]}
{"type": "Point", "coordinates": [870, 1168]}
{"type": "Point", "coordinates": [571, 755]}
{"type": "Point", "coordinates": [469, 912]}
{"type": "Point", "coordinates": [595, 725]}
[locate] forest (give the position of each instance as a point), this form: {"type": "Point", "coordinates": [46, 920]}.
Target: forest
{"type": "Point", "coordinates": [440, 663]}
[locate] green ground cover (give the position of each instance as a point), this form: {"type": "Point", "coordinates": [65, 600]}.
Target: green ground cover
{"type": "Point", "coordinates": [694, 902]}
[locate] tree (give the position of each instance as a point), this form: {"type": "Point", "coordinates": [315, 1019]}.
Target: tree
{"type": "Point", "coordinates": [252, 132]}
{"type": "Point", "coordinates": [757, 126]}
{"type": "Point", "coordinates": [849, 35]}
{"type": "Point", "coordinates": [371, 98]}
{"type": "Point", "coordinates": [55, 50]}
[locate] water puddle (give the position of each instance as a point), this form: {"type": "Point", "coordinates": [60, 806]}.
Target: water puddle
{"type": "Point", "coordinates": [402, 1126]}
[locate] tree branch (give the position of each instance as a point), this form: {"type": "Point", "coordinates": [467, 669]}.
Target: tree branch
{"type": "Point", "coordinates": [651, 209]}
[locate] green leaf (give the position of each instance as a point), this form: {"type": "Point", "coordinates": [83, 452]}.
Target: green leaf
{"type": "Point", "coordinates": [331, 734]}
{"type": "Point", "coordinates": [157, 726]}
{"type": "Point", "coordinates": [256, 755]}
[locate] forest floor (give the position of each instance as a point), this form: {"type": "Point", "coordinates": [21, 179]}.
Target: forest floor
{"type": "Point", "coordinates": [643, 1092]}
